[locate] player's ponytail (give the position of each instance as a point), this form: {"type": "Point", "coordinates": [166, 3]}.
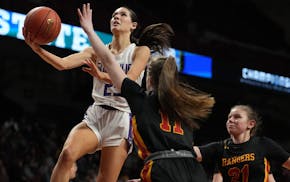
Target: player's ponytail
{"type": "Point", "coordinates": [179, 101]}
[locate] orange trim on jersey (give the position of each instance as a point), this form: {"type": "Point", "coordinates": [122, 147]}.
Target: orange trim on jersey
{"type": "Point", "coordinates": [267, 169]}
{"type": "Point", "coordinates": [142, 149]}
{"type": "Point", "coordinates": [146, 172]}
{"type": "Point", "coordinates": [177, 128]}
{"type": "Point", "coordinates": [166, 126]}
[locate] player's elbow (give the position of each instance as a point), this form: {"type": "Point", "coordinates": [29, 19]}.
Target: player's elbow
{"type": "Point", "coordinates": [60, 67]}
{"type": "Point", "coordinates": [63, 64]}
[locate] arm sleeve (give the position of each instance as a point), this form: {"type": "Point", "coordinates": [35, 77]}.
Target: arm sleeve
{"type": "Point", "coordinates": [274, 151]}
{"type": "Point", "coordinates": [134, 95]}
{"type": "Point", "coordinates": [211, 151]}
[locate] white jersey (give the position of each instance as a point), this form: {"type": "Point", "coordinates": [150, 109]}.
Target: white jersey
{"type": "Point", "coordinates": [107, 94]}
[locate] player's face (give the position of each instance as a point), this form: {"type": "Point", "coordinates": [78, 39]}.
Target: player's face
{"type": "Point", "coordinates": [238, 122]}
{"type": "Point", "coordinates": [121, 21]}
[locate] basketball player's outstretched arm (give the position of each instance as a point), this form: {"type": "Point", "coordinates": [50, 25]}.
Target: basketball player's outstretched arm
{"type": "Point", "coordinates": [65, 63]}
{"type": "Point", "coordinates": [108, 60]}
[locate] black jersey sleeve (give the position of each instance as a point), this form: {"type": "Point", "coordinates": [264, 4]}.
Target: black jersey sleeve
{"type": "Point", "coordinates": [274, 151]}
{"type": "Point", "coordinates": [134, 94]}
{"type": "Point", "coordinates": [211, 151]}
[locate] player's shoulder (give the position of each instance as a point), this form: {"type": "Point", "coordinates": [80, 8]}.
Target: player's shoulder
{"type": "Point", "coordinates": [142, 48]}
{"type": "Point", "coordinates": [141, 52]}
{"type": "Point", "coordinates": [262, 139]}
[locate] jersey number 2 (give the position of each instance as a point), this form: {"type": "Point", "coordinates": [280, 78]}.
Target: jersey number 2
{"type": "Point", "coordinates": [107, 93]}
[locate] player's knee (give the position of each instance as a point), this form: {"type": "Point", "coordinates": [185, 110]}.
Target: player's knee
{"type": "Point", "coordinates": [67, 156]}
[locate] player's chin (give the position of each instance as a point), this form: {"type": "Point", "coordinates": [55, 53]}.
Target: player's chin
{"type": "Point", "coordinates": [115, 28]}
{"type": "Point", "coordinates": [231, 129]}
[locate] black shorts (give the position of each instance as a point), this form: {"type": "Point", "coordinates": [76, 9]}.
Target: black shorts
{"type": "Point", "coordinates": [173, 170]}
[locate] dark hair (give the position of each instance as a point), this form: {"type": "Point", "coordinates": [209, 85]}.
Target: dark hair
{"type": "Point", "coordinates": [134, 18]}
{"type": "Point", "coordinates": [179, 101]}
{"type": "Point", "coordinates": [157, 37]}
{"type": "Point", "coordinates": [252, 115]}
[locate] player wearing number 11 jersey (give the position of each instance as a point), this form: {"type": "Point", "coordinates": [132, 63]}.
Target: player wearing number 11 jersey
{"type": "Point", "coordinates": [163, 119]}
{"type": "Point", "coordinates": [163, 124]}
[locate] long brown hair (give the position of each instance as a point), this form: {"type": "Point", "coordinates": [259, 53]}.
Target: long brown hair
{"type": "Point", "coordinates": [157, 37]}
{"type": "Point", "coordinates": [178, 100]}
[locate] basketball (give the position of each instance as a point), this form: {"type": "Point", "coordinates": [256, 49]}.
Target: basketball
{"type": "Point", "coordinates": [43, 24]}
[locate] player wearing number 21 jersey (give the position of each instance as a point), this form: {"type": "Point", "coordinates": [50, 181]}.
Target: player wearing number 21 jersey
{"type": "Point", "coordinates": [247, 161]}
{"type": "Point", "coordinates": [243, 157]}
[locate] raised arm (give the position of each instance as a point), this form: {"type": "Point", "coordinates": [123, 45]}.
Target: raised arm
{"type": "Point", "coordinates": [108, 60]}
{"type": "Point", "coordinates": [59, 63]}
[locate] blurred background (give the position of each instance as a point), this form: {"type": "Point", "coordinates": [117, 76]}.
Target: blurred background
{"type": "Point", "coordinates": [246, 41]}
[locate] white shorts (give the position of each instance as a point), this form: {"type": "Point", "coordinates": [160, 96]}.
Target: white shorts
{"type": "Point", "coordinates": [110, 126]}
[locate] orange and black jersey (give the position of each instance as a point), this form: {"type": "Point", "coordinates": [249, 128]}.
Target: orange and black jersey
{"type": "Point", "coordinates": [247, 162]}
{"type": "Point", "coordinates": [153, 131]}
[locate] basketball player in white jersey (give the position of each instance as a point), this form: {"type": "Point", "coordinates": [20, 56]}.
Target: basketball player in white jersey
{"type": "Point", "coordinates": [106, 123]}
